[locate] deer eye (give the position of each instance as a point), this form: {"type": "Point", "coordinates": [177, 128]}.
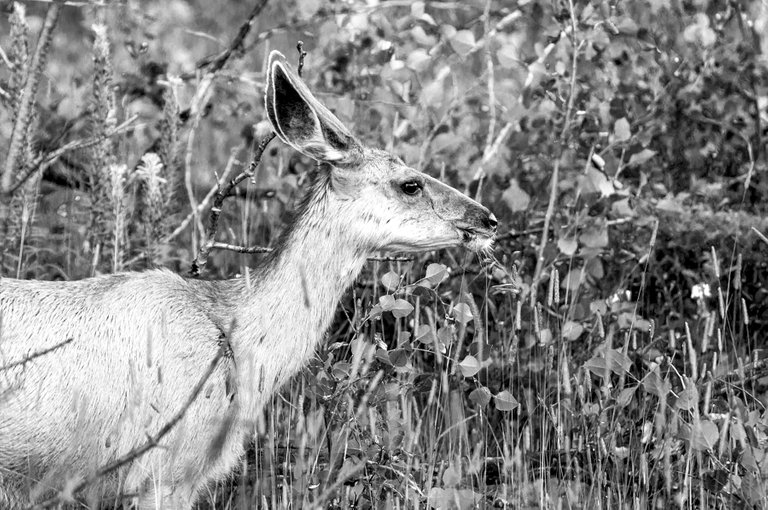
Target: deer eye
{"type": "Point", "coordinates": [411, 187]}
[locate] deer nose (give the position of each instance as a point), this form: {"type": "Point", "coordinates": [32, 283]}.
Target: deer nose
{"type": "Point", "coordinates": [490, 222]}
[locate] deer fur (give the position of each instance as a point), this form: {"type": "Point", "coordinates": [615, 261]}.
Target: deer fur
{"type": "Point", "coordinates": [138, 342]}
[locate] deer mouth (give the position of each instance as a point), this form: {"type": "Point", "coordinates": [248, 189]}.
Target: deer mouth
{"type": "Point", "coordinates": [476, 238]}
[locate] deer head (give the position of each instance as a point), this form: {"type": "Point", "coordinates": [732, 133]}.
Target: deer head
{"type": "Point", "coordinates": [391, 207]}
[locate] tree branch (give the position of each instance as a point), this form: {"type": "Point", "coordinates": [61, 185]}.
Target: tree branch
{"type": "Point", "coordinates": [216, 63]}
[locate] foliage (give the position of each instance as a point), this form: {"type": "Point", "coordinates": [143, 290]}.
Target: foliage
{"type": "Point", "coordinates": [613, 354]}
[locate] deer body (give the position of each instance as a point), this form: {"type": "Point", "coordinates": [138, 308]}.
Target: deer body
{"type": "Point", "coordinates": [128, 348]}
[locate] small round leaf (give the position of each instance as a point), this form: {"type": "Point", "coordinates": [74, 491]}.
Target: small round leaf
{"type": "Point", "coordinates": [505, 401]}
{"type": "Point", "coordinates": [469, 366]}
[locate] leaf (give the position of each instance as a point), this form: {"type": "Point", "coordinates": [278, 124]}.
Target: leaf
{"type": "Point", "coordinates": [469, 366]}
{"type": "Point", "coordinates": [386, 302]}
{"type": "Point", "coordinates": [598, 306]}
{"type": "Point", "coordinates": [536, 71]}
{"type": "Point", "coordinates": [688, 399]}
{"type": "Point", "coordinates": [622, 208]}
{"type": "Point", "coordinates": [424, 334]}
{"type": "Point", "coordinates": [515, 197]}
{"type": "Point", "coordinates": [621, 130]}
{"type": "Point", "coordinates": [436, 273]}
{"type": "Point", "coordinates": [626, 26]}
{"type": "Point", "coordinates": [421, 38]}
{"type": "Point", "coordinates": [436, 497]}
{"type": "Point", "coordinates": [572, 330]}
{"type": "Point", "coordinates": [614, 361]}
{"type": "Point", "coordinates": [390, 280]}
{"type": "Point", "coordinates": [401, 308]}
{"type": "Point", "coordinates": [509, 56]}
{"type": "Point", "coordinates": [641, 157]}
{"type": "Point", "coordinates": [715, 480]}
{"type": "Point", "coordinates": [398, 357]}
{"type": "Point", "coordinates": [341, 370]}
{"type": "Point", "coordinates": [670, 204]}
{"type": "Point", "coordinates": [418, 60]}
{"type": "Point", "coordinates": [567, 247]}
{"type": "Point", "coordinates": [599, 182]}
{"type": "Point", "coordinates": [376, 311]}
{"type": "Point", "coordinates": [595, 236]}
{"type": "Point", "coordinates": [462, 313]}
{"type": "Point", "coordinates": [417, 9]}
{"type": "Point", "coordinates": [451, 476]}
{"type": "Point", "coordinates": [625, 397]}
{"type": "Point", "coordinates": [654, 384]}
{"type": "Point", "coordinates": [433, 94]}
{"type": "Point", "coordinates": [308, 8]}
{"type": "Point", "coordinates": [504, 401]}
{"type": "Point", "coordinates": [704, 435]}
{"type": "Point", "coordinates": [480, 396]}
{"type": "Point", "coordinates": [463, 42]}
{"type": "Point", "coordinates": [445, 334]}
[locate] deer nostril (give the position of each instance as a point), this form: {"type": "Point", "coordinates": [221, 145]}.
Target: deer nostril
{"type": "Point", "coordinates": [490, 222]}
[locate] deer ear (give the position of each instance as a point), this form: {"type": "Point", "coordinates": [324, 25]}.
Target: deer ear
{"type": "Point", "coordinates": [301, 121]}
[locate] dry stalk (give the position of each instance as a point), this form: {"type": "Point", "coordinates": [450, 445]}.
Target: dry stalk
{"type": "Point", "coordinates": [556, 169]}
{"type": "Point", "coordinates": [28, 93]}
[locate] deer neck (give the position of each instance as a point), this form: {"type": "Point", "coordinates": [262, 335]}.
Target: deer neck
{"type": "Point", "coordinates": [293, 297]}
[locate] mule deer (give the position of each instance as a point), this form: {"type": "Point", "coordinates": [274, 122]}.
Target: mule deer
{"type": "Point", "coordinates": [126, 349]}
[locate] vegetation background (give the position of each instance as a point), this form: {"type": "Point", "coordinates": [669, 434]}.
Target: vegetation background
{"type": "Point", "coordinates": [613, 355]}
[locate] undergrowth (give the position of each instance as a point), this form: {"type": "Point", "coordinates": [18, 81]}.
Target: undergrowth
{"type": "Point", "coordinates": [610, 352]}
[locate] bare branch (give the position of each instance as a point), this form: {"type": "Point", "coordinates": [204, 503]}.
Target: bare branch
{"type": "Point", "coordinates": [210, 243]}
{"type": "Point", "coordinates": [214, 64]}
{"type": "Point", "coordinates": [213, 225]}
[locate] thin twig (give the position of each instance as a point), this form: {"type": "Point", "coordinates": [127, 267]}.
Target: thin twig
{"type": "Point", "coordinates": [302, 56]}
{"type": "Point", "coordinates": [150, 443]}
{"type": "Point", "coordinates": [215, 64]}
{"type": "Point", "coordinates": [760, 235]}
{"type": "Point", "coordinates": [34, 355]}
{"type": "Point", "coordinates": [28, 93]}
{"type": "Point", "coordinates": [391, 259]}
{"type": "Point", "coordinates": [240, 249]}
